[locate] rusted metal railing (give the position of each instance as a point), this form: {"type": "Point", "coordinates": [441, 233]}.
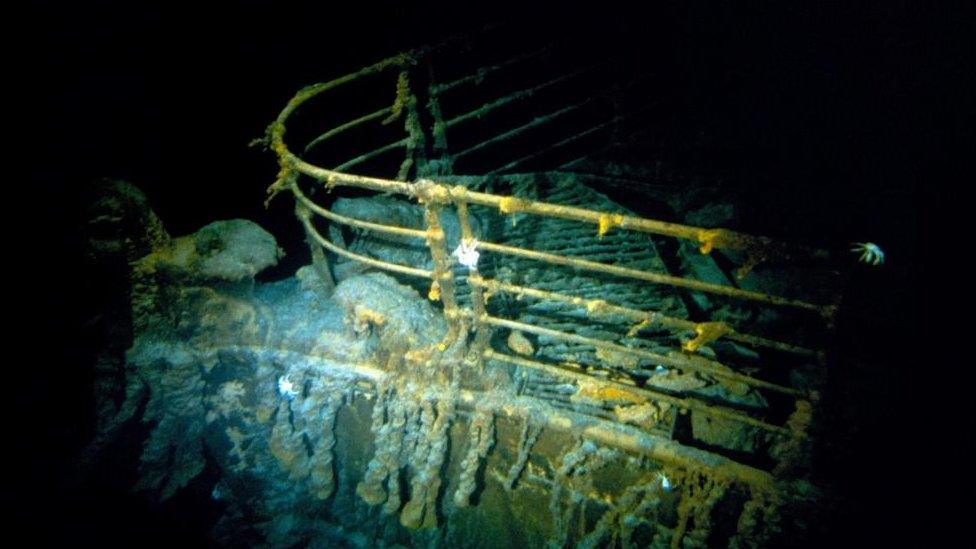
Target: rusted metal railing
{"type": "Point", "coordinates": [472, 326]}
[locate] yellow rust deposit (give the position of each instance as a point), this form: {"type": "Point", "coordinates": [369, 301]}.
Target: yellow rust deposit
{"type": "Point", "coordinates": [607, 222]}
{"type": "Point", "coordinates": [596, 307]}
{"type": "Point", "coordinates": [510, 205]}
{"type": "Point", "coordinates": [363, 318]}
{"type": "Point", "coordinates": [709, 239]}
{"type": "Point", "coordinates": [364, 315]}
{"type": "Point", "coordinates": [606, 393]}
{"type": "Point", "coordinates": [401, 99]}
{"type": "Point", "coordinates": [636, 328]}
{"type": "Point", "coordinates": [330, 183]}
{"type": "Point", "coordinates": [706, 333]}
{"type": "Point", "coordinates": [434, 294]}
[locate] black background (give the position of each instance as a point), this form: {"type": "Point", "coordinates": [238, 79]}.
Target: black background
{"type": "Point", "coordinates": [827, 116]}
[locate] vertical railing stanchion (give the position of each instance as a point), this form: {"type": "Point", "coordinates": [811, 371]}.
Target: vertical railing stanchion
{"type": "Point", "coordinates": [320, 263]}
{"type": "Point", "coordinates": [478, 304]}
{"type": "Point", "coordinates": [442, 287]}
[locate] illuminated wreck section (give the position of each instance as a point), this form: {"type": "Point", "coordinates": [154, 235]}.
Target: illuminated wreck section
{"type": "Point", "coordinates": [507, 358]}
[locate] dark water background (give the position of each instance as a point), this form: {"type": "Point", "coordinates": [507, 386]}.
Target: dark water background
{"type": "Point", "coordinates": [826, 117]}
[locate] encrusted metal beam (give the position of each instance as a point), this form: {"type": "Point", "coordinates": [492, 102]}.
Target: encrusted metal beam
{"type": "Point", "coordinates": [373, 154]}
{"type": "Point", "coordinates": [656, 278]}
{"type": "Point", "coordinates": [647, 318]}
{"type": "Point", "coordinates": [648, 394]}
{"type": "Point", "coordinates": [346, 126]}
{"type": "Point", "coordinates": [534, 123]}
{"type": "Point", "coordinates": [352, 222]}
{"type": "Point", "coordinates": [515, 96]}
{"type": "Point", "coordinates": [483, 72]}
{"type": "Point", "coordinates": [691, 363]}
{"type": "Point", "coordinates": [563, 142]}
{"type": "Point", "coordinates": [305, 217]}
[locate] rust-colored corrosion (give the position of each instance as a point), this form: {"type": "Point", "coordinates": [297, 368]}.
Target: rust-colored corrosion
{"type": "Point", "coordinates": [443, 275]}
{"type": "Point", "coordinates": [694, 364]}
{"type": "Point", "coordinates": [649, 394]}
{"type": "Point", "coordinates": [644, 318]}
{"type": "Point", "coordinates": [478, 301]}
{"type": "Point", "coordinates": [475, 320]}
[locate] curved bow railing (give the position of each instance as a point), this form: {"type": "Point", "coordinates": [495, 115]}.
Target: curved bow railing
{"type": "Point", "coordinates": [471, 325]}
